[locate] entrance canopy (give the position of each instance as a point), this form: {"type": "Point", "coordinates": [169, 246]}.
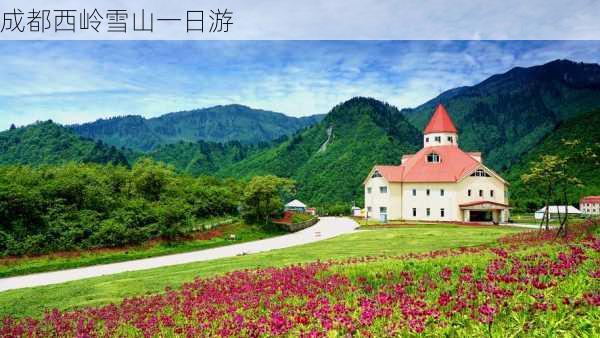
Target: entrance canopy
{"type": "Point", "coordinates": [484, 211]}
{"type": "Point", "coordinates": [483, 205]}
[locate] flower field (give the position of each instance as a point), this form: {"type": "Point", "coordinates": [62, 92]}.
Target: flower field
{"type": "Point", "coordinates": [527, 285]}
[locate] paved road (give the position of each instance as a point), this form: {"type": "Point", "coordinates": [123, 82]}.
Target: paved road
{"type": "Point", "coordinates": [327, 227]}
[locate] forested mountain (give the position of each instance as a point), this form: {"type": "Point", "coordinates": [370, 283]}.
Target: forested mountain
{"type": "Point", "coordinates": [585, 166]}
{"type": "Point", "coordinates": [507, 114]}
{"type": "Point", "coordinates": [200, 158]}
{"type": "Point", "coordinates": [215, 124]}
{"type": "Point", "coordinates": [50, 143]}
{"type": "Point", "coordinates": [330, 160]}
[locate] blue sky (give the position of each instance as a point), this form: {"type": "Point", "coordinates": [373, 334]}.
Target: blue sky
{"type": "Point", "coordinates": [78, 81]}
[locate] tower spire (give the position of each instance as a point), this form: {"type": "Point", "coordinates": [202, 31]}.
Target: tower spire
{"type": "Point", "coordinates": [440, 130]}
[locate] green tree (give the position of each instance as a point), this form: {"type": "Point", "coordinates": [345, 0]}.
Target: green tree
{"type": "Point", "coordinates": [262, 196]}
{"type": "Point", "coordinates": [553, 177]}
{"type": "Point", "coordinates": [151, 178]}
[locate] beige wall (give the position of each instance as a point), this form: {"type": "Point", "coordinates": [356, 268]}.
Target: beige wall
{"type": "Point", "coordinates": [429, 139]}
{"type": "Point", "coordinates": [435, 202]}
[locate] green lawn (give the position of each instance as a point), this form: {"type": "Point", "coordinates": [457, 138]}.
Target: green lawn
{"type": "Point", "coordinates": [528, 218]}
{"type": "Point", "coordinates": [53, 262]}
{"type": "Point", "coordinates": [102, 290]}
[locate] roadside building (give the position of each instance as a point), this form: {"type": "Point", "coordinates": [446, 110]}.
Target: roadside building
{"type": "Point", "coordinates": [590, 205]}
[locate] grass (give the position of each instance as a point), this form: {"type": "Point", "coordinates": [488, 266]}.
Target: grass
{"type": "Point", "coordinates": [530, 219]}
{"type": "Point", "coordinates": [218, 236]}
{"type": "Point", "coordinates": [113, 288]}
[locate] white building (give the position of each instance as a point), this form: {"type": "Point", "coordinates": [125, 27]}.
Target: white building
{"type": "Point", "coordinates": [441, 182]}
{"type": "Point", "coordinates": [555, 210]}
{"type": "Point", "coordinates": [590, 205]}
{"type": "Point", "coordinates": [295, 205]}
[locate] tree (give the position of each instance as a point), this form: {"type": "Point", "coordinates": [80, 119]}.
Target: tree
{"type": "Point", "coordinates": [262, 196]}
{"type": "Point", "coordinates": [12, 126]}
{"type": "Point", "coordinates": [552, 176]}
{"type": "Point", "coordinates": [151, 178]}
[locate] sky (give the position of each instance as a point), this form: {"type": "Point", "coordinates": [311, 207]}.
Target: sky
{"type": "Point", "coordinates": [79, 81]}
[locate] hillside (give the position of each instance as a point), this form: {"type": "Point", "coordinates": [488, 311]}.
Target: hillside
{"type": "Point", "coordinates": [49, 143]}
{"type": "Point", "coordinates": [200, 158]}
{"type": "Point", "coordinates": [215, 124]}
{"type": "Point", "coordinates": [330, 160]}
{"type": "Point", "coordinates": [584, 128]}
{"type": "Point", "coordinates": [507, 114]}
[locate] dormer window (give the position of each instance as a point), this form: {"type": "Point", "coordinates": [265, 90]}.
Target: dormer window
{"type": "Point", "coordinates": [480, 173]}
{"type": "Point", "coordinates": [433, 158]}
{"type": "Point", "coordinates": [376, 174]}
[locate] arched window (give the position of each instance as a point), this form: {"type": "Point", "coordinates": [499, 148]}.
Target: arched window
{"type": "Point", "coordinates": [433, 158]}
{"type": "Point", "coordinates": [376, 174]}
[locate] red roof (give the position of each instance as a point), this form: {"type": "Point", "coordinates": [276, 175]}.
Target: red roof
{"type": "Point", "coordinates": [392, 173]}
{"type": "Point", "coordinates": [454, 164]}
{"type": "Point", "coordinates": [440, 122]}
{"type": "Point", "coordinates": [590, 199]}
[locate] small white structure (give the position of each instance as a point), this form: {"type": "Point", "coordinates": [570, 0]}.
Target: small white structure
{"type": "Point", "coordinates": [554, 211]}
{"type": "Point", "coordinates": [295, 205]}
{"type": "Point", "coordinates": [356, 211]}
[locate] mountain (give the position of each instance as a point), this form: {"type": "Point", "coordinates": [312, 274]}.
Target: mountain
{"type": "Point", "coordinates": [215, 124]}
{"type": "Point", "coordinates": [329, 160]}
{"type": "Point", "coordinates": [508, 114]}
{"type": "Point", "coordinates": [50, 143]}
{"type": "Point", "coordinates": [201, 158]}
{"type": "Point", "coordinates": [584, 128]}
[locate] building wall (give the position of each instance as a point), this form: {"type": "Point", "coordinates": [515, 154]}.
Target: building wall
{"type": "Point", "coordinates": [435, 201]}
{"type": "Point", "coordinates": [590, 208]}
{"type": "Point", "coordinates": [429, 139]}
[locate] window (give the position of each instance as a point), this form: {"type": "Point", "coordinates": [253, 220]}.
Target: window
{"type": "Point", "coordinates": [433, 158]}
{"type": "Point", "coordinates": [441, 192]}
{"type": "Point", "coordinates": [480, 193]}
{"type": "Point", "coordinates": [428, 211]}
{"type": "Point", "coordinates": [382, 210]}
{"type": "Point", "coordinates": [368, 190]}
{"type": "Point", "coordinates": [383, 190]}
{"type": "Point", "coordinates": [442, 212]}
{"type": "Point", "coordinates": [450, 139]}
{"type": "Point", "coordinates": [414, 212]}
{"type": "Point", "coordinates": [438, 139]}
{"type": "Point", "coordinates": [480, 173]}
{"type": "Point", "coordinates": [369, 209]}
{"type": "Point", "coordinates": [414, 192]}
{"type": "Point", "coordinates": [492, 193]}
{"type": "Point", "coordinates": [376, 174]}
{"type": "Point", "coordinates": [469, 192]}
{"type": "Point", "coordinates": [427, 192]}
{"type": "Point", "coordinates": [427, 139]}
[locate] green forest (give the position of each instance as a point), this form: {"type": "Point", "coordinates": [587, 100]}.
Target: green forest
{"type": "Point", "coordinates": [584, 163]}
{"type": "Point", "coordinates": [215, 124]}
{"type": "Point", "coordinates": [78, 206]}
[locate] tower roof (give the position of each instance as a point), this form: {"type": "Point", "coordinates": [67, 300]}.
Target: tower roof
{"type": "Point", "coordinates": [440, 122]}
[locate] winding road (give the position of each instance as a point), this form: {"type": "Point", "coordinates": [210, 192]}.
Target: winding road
{"type": "Point", "coordinates": [327, 227]}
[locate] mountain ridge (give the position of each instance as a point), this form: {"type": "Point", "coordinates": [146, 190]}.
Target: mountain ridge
{"type": "Point", "coordinates": [221, 123]}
